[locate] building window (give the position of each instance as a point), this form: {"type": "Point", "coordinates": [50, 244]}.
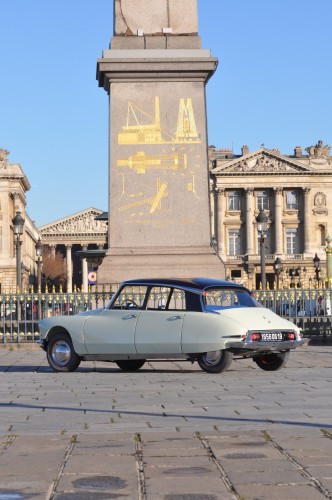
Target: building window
{"type": "Point", "coordinates": [262, 200]}
{"type": "Point", "coordinates": [291, 200]}
{"type": "Point", "coordinates": [292, 241]}
{"type": "Point", "coordinates": [233, 200]}
{"type": "Point", "coordinates": [322, 235]}
{"type": "Point", "coordinates": [234, 242]}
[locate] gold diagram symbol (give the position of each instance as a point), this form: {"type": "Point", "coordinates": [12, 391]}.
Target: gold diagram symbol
{"type": "Point", "coordinates": [152, 132]}
{"type": "Point", "coordinates": [154, 201]}
{"type": "Point", "coordinates": [141, 162]}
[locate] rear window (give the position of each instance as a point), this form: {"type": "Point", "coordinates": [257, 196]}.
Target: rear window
{"type": "Point", "coordinates": [220, 298]}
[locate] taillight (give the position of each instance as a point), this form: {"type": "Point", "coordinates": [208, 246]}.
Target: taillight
{"type": "Point", "coordinates": [291, 336]}
{"type": "Point", "coordinates": [255, 337]}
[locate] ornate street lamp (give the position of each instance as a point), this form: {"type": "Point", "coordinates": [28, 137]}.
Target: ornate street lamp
{"type": "Point", "coordinates": [278, 268]}
{"type": "Point", "coordinates": [39, 253]}
{"type": "Point", "coordinates": [316, 261]}
{"type": "Point", "coordinates": [262, 227]}
{"type": "Point", "coordinates": [214, 245]}
{"type": "Point", "coordinates": [18, 223]}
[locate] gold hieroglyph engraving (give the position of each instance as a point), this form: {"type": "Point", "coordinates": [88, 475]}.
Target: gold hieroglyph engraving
{"type": "Point", "coordinates": [154, 201]}
{"type": "Point", "coordinates": [141, 162]}
{"type": "Point", "coordinates": [152, 132]}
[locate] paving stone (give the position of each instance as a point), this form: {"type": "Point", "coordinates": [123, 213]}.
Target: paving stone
{"type": "Point", "coordinates": [160, 487]}
{"type": "Point", "coordinates": [100, 464]}
{"type": "Point", "coordinates": [118, 485]}
{"type": "Point", "coordinates": [272, 492]}
{"type": "Point", "coordinates": [267, 477]}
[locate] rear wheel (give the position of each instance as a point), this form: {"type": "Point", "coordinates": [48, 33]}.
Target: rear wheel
{"type": "Point", "coordinates": [60, 353]}
{"type": "Point", "coordinates": [215, 361]}
{"type": "Point", "coordinates": [130, 365]}
{"type": "Point", "coordinates": [272, 362]}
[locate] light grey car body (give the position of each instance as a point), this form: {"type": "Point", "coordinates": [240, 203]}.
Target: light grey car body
{"type": "Point", "coordinates": [113, 334]}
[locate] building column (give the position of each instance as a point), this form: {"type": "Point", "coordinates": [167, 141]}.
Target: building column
{"type": "Point", "coordinates": [84, 272]}
{"type": "Point", "coordinates": [53, 251]}
{"type": "Point", "coordinates": [221, 209]}
{"type": "Point", "coordinates": [69, 266]}
{"type": "Point", "coordinates": [278, 236]}
{"type": "Point", "coordinates": [306, 220]}
{"type": "Point", "coordinates": [249, 221]}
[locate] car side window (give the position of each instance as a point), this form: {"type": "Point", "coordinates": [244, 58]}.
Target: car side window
{"type": "Point", "coordinates": [177, 301]}
{"type": "Point", "coordinates": [158, 298]}
{"type": "Point", "coordinates": [130, 297]}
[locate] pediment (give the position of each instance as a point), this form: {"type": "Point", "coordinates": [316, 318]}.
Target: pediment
{"type": "Point", "coordinates": [262, 161]}
{"type": "Point", "coordinates": [79, 223]}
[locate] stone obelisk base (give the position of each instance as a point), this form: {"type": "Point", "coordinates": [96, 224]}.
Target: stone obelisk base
{"type": "Point", "coordinates": [123, 264]}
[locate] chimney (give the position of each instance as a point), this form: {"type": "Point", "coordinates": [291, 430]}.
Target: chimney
{"type": "Point", "coordinates": [245, 150]}
{"type": "Point", "coordinates": [298, 151]}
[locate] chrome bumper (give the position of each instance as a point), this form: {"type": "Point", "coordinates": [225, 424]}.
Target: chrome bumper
{"type": "Point", "coordinates": [265, 346]}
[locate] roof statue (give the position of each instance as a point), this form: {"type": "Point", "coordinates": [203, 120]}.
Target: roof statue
{"type": "Point", "coordinates": [3, 154]}
{"type": "Point", "coordinates": [319, 153]}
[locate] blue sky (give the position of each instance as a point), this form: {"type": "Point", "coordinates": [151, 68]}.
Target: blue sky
{"type": "Point", "coordinates": [273, 86]}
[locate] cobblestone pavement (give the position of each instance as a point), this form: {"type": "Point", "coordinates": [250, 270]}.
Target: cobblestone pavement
{"type": "Point", "coordinates": [169, 431]}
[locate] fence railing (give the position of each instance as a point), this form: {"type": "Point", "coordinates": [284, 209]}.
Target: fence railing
{"type": "Point", "coordinates": [20, 313]}
{"type": "Point", "coordinates": [310, 309]}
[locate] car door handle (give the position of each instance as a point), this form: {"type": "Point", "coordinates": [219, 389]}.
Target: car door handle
{"type": "Point", "coordinates": [173, 318]}
{"type": "Point", "coordinates": [130, 316]}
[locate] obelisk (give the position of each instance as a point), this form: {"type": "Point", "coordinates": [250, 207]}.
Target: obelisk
{"type": "Point", "coordinates": [159, 212]}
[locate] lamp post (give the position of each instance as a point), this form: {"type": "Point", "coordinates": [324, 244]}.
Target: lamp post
{"type": "Point", "coordinates": [18, 223]}
{"type": "Point", "coordinates": [262, 226]}
{"type": "Point", "coordinates": [316, 261]}
{"type": "Point", "coordinates": [214, 245]}
{"type": "Point", "coordinates": [277, 266]}
{"type": "Point", "coordinates": [39, 253]}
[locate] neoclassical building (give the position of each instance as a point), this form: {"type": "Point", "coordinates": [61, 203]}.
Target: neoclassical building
{"type": "Point", "coordinates": [13, 187]}
{"type": "Point", "coordinates": [296, 193]}
{"type": "Point", "coordinates": [77, 233]}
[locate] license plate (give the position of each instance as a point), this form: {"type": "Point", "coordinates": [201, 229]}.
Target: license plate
{"type": "Point", "coordinates": [272, 337]}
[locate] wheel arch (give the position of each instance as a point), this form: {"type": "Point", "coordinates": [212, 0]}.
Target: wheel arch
{"type": "Point", "coordinates": [54, 330]}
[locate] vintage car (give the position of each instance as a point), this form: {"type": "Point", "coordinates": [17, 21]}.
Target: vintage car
{"type": "Point", "coordinates": [203, 320]}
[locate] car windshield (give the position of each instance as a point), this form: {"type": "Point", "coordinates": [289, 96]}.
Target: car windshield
{"type": "Point", "coordinates": [216, 299]}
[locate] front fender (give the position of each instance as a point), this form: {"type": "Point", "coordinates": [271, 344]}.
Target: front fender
{"type": "Point", "coordinates": [74, 325]}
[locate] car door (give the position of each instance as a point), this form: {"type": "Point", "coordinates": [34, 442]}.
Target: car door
{"type": "Point", "coordinates": [159, 327]}
{"type": "Point", "coordinates": [113, 331]}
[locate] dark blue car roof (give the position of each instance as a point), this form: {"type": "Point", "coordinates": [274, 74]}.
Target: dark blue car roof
{"type": "Point", "coordinates": [195, 283]}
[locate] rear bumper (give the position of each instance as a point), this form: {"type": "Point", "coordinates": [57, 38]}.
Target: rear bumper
{"type": "Point", "coordinates": [265, 346]}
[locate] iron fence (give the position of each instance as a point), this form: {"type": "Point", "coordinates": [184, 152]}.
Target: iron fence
{"type": "Point", "coordinates": [310, 309]}
{"type": "Point", "coordinates": [20, 313]}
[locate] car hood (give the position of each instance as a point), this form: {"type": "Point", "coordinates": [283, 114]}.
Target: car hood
{"type": "Point", "coordinates": [257, 318]}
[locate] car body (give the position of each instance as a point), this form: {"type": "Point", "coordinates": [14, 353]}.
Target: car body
{"type": "Point", "coordinates": [199, 319]}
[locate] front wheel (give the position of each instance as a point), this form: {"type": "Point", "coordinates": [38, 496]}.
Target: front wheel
{"type": "Point", "coordinates": [61, 355]}
{"type": "Point", "coordinates": [216, 361]}
{"type": "Point", "coordinates": [272, 362]}
{"type": "Point", "coordinates": [130, 365]}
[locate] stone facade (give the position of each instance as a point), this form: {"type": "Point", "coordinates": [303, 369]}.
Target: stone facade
{"type": "Point", "coordinates": [13, 187]}
{"type": "Point", "coordinates": [296, 192]}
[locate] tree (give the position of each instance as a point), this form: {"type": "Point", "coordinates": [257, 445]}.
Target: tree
{"type": "Point", "coordinates": [53, 268]}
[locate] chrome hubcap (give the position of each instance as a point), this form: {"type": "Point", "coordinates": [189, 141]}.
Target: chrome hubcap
{"type": "Point", "coordinates": [61, 352]}
{"type": "Point", "coordinates": [212, 358]}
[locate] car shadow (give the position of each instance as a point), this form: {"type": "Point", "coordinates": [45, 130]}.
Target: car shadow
{"type": "Point", "coordinates": [99, 369]}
